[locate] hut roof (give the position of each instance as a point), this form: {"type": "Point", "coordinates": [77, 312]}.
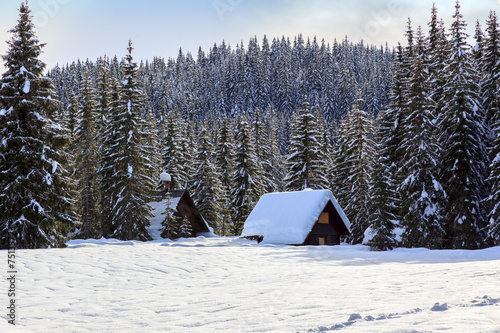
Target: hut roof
{"type": "Point", "coordinates": [287, 218]}
{"type": "Point", "coordinates": [175, 197]}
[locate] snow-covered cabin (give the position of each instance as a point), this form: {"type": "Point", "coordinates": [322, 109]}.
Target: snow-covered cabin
{"type": "Point", "coordinates": [184, 206]}
{"type": "Point", "coordinates": [310, 217]}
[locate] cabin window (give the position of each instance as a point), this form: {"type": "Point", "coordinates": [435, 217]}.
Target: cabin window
{"type": "Point", "coordinates": [321, 240]}
{"type": "Point", "coordinates": [323, 218]}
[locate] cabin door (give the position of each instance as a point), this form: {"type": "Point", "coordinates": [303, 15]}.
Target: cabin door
{"type": "Point", "coordinates": [321, 240]}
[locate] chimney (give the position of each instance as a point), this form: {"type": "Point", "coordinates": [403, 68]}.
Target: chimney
{"type": "Point", "coordinates": [165, 179]}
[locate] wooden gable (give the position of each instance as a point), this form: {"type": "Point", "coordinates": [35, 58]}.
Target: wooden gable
{"type": "Point", "coordinates": [328, 228]}
{"type": "Point", "coordinates": [186, 208]}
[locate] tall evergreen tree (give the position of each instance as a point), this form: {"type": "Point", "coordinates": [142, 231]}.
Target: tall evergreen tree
{"type": "Point", "coordinates": [170, 224]}
{"type": "Point", "coordinates": [173, 149]}
{"type": "Point", "coordinates": [494, 181]}
{"type": "Point", "coordinates": [224, 163]}
{"type": "Point", "coordinates": [384, 203]}
{"type": "Point", "coordinates": [358, 152]}
{"type": "Point", "coordinates": [86, 168]}
{"type": "Point", "coordinates": [306, 163]}
{"type": "Point", "coordinates": [465, 160]}
{"type": "Point", "coordinates": [132, 186]}
{"type": "Point", "coordinates": [262, 151]}
{"type": "Point", "coordinates": [490, 69]}
{"type": "Point", "coordinates": [245, 192]}
{"type": "Point", "coordinates": [421, 193]}
{"type": "Point", "coordinates": [35, 211]}
{"type": "Point", "coordinates": [207, 185]}
{"type": "Point", "coordinates": [108, 167]}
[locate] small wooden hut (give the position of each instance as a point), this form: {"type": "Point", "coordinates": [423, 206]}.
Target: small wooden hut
{"type": "Point", "coordinates": [184, 207]}
{"type": "Point", "coordinates": [310, 217]}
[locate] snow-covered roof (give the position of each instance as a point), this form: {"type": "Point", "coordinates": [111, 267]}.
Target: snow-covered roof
{"type": "Point", "coordinates": [158, 208]}
{"type": "Point", "coordinates": [288, 217]}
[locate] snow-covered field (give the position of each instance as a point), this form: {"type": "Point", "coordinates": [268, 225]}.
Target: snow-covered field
{"type": "Point", "coordinates": [232, 285]}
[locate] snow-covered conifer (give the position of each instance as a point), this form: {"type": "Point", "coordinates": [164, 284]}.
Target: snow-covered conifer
{"type": "Point", "coordinates": [132, 187]}
{"type": "Point", "coordinates": [206, 189]}
{"type": "Point", "coordinates": [305, 163]}
{"type": "Point", "coordinates": [356, 166]}
{"type": "Point", "coordinates": [490, 69]}
{"type": "Point", "coordinates": [464, 163]}
{"type": "Point", "coordinates": [421, 193]}
{"type": "Point", "coordinates": [107, 166]}
{"type": "Point", "coordinates": [173, 148]}
{"type": "Point", "coordinates": [262, 151]}
{"type": "Point", "coordinates": [86, 168]}
{"type": "Point", "coordinates": [185, 228]}
{"type": "Point", "coordinates": [224, 163]}
{"type": "Point", "coordinates": [245, 192]}
{"type": "Point", "coordinates": [35, 210]}
{"type": "Point", "coordinates": [170, 223]}
{"type": "Point", "coordinates": [384, 203]}
{"type": "Point", "coordinates": [494, 181]}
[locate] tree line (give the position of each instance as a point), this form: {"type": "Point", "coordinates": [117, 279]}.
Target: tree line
{"type": "Point", "coordinates": [407, 139]}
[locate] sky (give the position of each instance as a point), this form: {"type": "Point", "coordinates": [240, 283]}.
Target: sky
{"type": "Point", "coordinates": [87, 29]}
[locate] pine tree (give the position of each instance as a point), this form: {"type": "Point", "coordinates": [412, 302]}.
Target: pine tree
{"type": "Point", "coordinates": [207, 184]}
{"type": "Point", "coordinates": [132, 186]}
{"type": "Point", "coordinates": [490, 69]}
{"type": "Point", "coordinates": [154, 155]}
{"type": "Point", "coordinates": [224, 163]}
{"type": "Point", "coordinates": [465, 160]}
{"type": "Point", "coordinates": [384, 201]}
{"type": "Point", "coordinates": [108, 167]}
{"type": "Point", "coordinates": [439, 54]}
{"type": "Point", "coordinates": [245, 192]}
{"type": "Point", "coordinates": [185, 228]}
{"type": "Point", "coordinates": [421, 193]}
{"type": "Point", "coordinates": [35, 211]}
{"type": "Point", "coordinates": [358, 152]}
{"type": "Point", "coordinates": [261, 144]}
{"type": "Point", "coordinates": [494, 181]}
{"type": "Point", "coordinates": [173, 149]}
{"type": "Point", "coordinates": [170, 224]}
{"type": "Point", "coordinates": [86, 169]}
{"type": "Point", "coordinates": [274, 168]}
{"type": "Point", "coordinates": [306, 163]}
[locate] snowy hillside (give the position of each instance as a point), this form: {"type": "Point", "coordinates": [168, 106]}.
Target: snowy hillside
{"type": "Point", "coordinates": [233, 285]}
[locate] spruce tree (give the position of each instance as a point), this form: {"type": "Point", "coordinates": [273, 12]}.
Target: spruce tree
{"type": "Point", "coordinates": [35, 211]}
{"type": "Point", "coordinates": [490, 69]}
{"type": "Point", "coordinates": [207, 185]}
{"type": "Point", "coordinates": [245, 192]}
{"type": "Point", "coordinates": [464, 163]}
{"type": "Point", "coordinates": [274, 168]}
{"type": "Point", "coordinates": [358, 152]}
{"type": "Point", "coordinates": [439, 55]}
{"type": "Point", "coordinates": [170, 224]}
{"type": "Point", "coordinates": [306, 163]}
{"type": "Point", "coordinates": [384, 203]}
{"type": "Point", "coordinates": [132, 185]}
{"type": "Point", "coordinates": [173, 149]}
{"type": "Point", "coordinates": [86, 168]}
{"type": "Point", "coordinates": [224, 164]}
{"type": "Point", "coordinates": [153, 155]}
{"type": "Point", "coordinates": [108, 167]}
{"type": "Point", "coordinates": [185, 228]}
{"type": "Point", "coordinates": [494, 181]}
{"type": "Point", "coordinates": [422, 195]}
{"type": "Point", "coordinates": [262, 151]}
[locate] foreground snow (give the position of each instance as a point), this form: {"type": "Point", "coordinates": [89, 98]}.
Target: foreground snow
{"type": "Point", "coordinates": [232, 285]}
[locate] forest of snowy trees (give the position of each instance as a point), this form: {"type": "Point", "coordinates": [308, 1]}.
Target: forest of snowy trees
{"type": "Point", "coordinates": [407, 139]}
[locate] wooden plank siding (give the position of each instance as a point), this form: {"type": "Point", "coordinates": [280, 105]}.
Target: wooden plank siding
{"type": "Point", "coordinates": [328, 229]}
{"type": "Point", "coordinates": [186, 208]}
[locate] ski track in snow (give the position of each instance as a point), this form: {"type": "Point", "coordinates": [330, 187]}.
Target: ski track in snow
{"type": "Point", "coordinates": [233, 285]}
